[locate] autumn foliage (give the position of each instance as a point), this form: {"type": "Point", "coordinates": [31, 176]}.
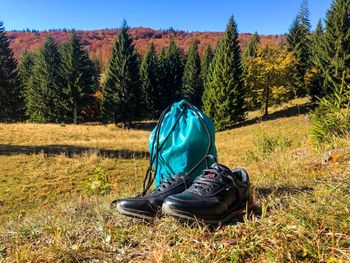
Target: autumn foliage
{"type": "Point", "coordinates": [99, 43]}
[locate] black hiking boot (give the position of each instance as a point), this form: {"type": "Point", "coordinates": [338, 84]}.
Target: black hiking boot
{"type": "Point", "coordinates": [216, 196]}
{"type": "Point", "coordinates": [148, 206]}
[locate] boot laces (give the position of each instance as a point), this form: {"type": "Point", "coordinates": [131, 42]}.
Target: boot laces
{"type": "Point", "coordinates": [209, 179]}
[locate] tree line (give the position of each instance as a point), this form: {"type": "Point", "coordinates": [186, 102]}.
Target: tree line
{"type": "Point", "coordinates": [59, 84]}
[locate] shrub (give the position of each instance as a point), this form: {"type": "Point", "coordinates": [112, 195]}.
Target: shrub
{"type": "Point", "coordinates": [331, 117]}
{"type": "Point", "coordinates": [97, 184]}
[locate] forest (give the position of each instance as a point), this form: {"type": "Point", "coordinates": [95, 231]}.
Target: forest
{"type": "Point", "coordinates": [61, 82]}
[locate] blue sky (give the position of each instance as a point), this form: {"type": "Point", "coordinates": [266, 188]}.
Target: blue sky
{"type": "Point", "coordinates": [264, 16]}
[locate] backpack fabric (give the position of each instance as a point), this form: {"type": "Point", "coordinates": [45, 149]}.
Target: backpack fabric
{"type": "Point", "coordinates": [181, 141]}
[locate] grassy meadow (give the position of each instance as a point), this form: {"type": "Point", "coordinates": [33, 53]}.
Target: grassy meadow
{"type": "Point", "coordinates": [302, 192]}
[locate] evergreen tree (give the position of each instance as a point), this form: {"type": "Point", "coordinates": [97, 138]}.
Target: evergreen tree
{"type": "Point", "coordinates": [206, 62]}
{"type": "Point", "coordinates": [299, 42]}
{"type": "Point", "coordinates": [121, 89]}
{"type": "Point", "coordinates": [170, 74]}
{"type": "Point", "coordinates": [316, 39]}
{"type": "Point", "coordinates": [44, 96]}
{"type": "Point", "coordinates": [79, 77]}
{"type": "Point", "coordinates": [334, 56]}
{"type": "Point", "coordinates": [25, 68]}
{"type": "Point", "coordinates": [248, 55]}
{"type": "Point", "coordinates": [223, 99]}
{"type": "Point", "coordinates": [293, 35]}
{"type": "Point", "coordinates": [174, 71]}
{"type": "Point", "coordinates": [149, 80]}
{"type": "Point", "coordinates": [314, 79]}
{"type": "Point", "coordinates": [11, 100]}
{"type": "Point", "coordinates": [252, 47]}
{"type": "Point", "coordinates": [162, 80]}
{"type": "Point", "coordinates": [192, 84]}
{"type": "Point", "coordinates": [25, 72]}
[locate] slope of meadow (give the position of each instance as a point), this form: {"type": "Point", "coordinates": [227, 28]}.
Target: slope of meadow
{"type": "Point", "coordinates": [301, 190]}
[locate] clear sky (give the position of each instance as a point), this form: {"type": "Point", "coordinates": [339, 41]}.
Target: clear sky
{"type": "Point", "coordinates": [264, 16]}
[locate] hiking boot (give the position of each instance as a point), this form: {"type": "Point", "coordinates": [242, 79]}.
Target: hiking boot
{"type": "Point", "coordinates": [148, 206]}
{"type": "Point", "coordinates": [216, 196]}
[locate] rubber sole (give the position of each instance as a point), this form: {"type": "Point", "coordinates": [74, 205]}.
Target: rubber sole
{"type": "Point", "coordinates": [167, 210]}
{"type": "Point", "coordinates": [133, 213]}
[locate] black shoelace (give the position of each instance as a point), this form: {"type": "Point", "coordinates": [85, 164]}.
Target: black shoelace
{"type": "Point", "coordinates": [210, 179]}
{"type": "Point", "coordinates": [170, 181]}
{"type": "Point", "coordinates": [165, 184]}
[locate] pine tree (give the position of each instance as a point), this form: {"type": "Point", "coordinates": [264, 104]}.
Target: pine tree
{"type": "Point", "coordinates": [192, 84]}
{"type": "Point", "coordinates": [334, 56]}
{"type": "Point", "coordinates": [11, 100]}
{"type": "Point", "coordinates": [121, 89]}
{"type": "Point", "coordinates": [223, 99]}
{"type": "Point", "coordinates": [206, 62]}
{"type": "Point", "coordinates": [149, 79]}
{"type": "Point", "coordinates": [44, 96]}
{"type": "Point", "coordinates": [299, 42]}
{"type": "Point", "coordinates": [79, 77]}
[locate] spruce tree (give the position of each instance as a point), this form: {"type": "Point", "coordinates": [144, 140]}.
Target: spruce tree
{"type": "Point", "coordinates": [150, 85]}
{"type": "Point", "coordinates": [162, 79]}
{"type": "Point", "coordinates": [316, 39]}
{"type": "Point", "coordinates": [11, 100]}
{"type": "Point", "coordinates": [174, 71]}
{"type": "Point", "coordinates": [299, 42]}
{"type": "Point", "coordinates": [223, 98]}
{"type": "Point", "coordinates": [334, 56]}
{"type": "Point", "coordinates": [25, 68]}
{"type": "Point", "coordinates": [121, 90]}
{"type": "Point", "coordinates": [170, 74]}
{"type": "Point", "coordinates": [44, 97]}
{"type": "Point", "coordinates": [315, 82]}
{"type": "Point", "coordinates": [251, 49]}
{"type": "Point", "coordinates": [25, 71]}
{"type": "Point", "coordinates": [205, 63]}
{"type": "Point", "coordinates": [79, 77]}
{"type": "Point", "coordinates": [249, 53]}
{"type": "Point", "coordinates": [192, 84]}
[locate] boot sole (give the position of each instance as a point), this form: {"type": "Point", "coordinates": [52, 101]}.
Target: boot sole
{"type": "Point", "coordinates": [167, 210]}
{"type": "Point", "coordinates": [133, 213]}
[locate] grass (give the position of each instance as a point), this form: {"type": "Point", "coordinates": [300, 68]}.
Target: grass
{"type": "Point", "coordinates": [302, 193]}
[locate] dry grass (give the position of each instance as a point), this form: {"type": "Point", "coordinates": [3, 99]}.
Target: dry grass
{"type": "Point", "coordinates": [303, 200]}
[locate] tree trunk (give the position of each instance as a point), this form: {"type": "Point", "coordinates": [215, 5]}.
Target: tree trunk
{"type": "Point", "coordinates": [267, 101]}
{"type": "Point", "coordinates": [75, 112]}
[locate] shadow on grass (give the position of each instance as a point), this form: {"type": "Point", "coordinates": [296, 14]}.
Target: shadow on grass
{"type": "Point", "coordinates": [281, 190]}
{"type": "Point", "coordinates": [288, 112]}
{"type": "Point", "coordinates": [144, 125]}
{"type": "Point", "coordinates": [69, 151]}
{"type": "Point", "coordinates": [264, 192]}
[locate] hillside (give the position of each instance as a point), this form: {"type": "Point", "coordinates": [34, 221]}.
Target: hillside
{"type": "Point", "coordinates": [99, 42]}
{"type": "Point", "coordinates": [302, 194]}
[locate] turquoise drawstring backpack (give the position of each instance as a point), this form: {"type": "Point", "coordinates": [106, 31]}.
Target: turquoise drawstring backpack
{"type": "Point", "coordinates": [181, 142]}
